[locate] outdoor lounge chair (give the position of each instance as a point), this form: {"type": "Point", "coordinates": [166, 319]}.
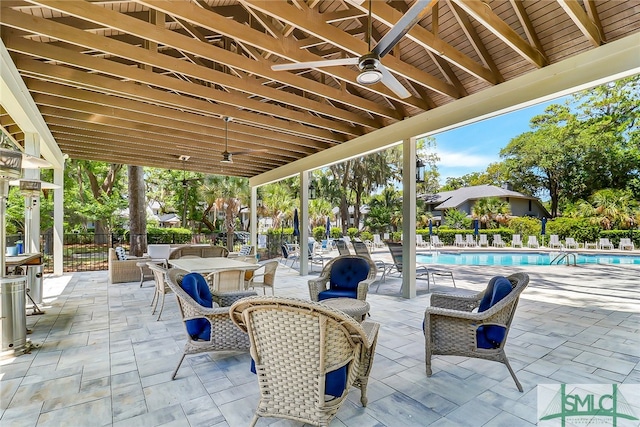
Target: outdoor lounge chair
{"type": "Point", "coordinates": [208, 326]}
{"type": "Point", "coordinates": [421, 270]}
{"type": "Point", "coordinates": [377, 242]}
{"type": "Point", "coordinates": [532, 242]}
{"type": "Point", "coordinates": [459, 241]}
{"type": "Point", "coordinates": [345, 276]}
{"type": "Point", "coordinates": [362, 250]}
{"type": "Point", "coordinates": [289, 255]}
{"type": "Point", "coordinates": [483, 240]}
{"type": "Point", "coordinates": [626, 243]}
{"type": "Point", "coordinates": [516, 241]}
{"type": "Point", "coordinates": [306, 355]}
{"type": "Point", "coordinates": [604, 243]}
{"type": "Point", "coordinates": [470, 241]}
{"type": "Point", "coordinates": [342, 247]}
{"type": "Point", "coordinates": [161, 287]}
{"type": "Point", "coordinates": [436, 242]}
{"type": "Point", "coordinates": [420, 243]}
{"type": "Point", "coordinates": [554, 242]}
{"type": "Point", "coordinates": [452, 328]}
{"type": "Point", "coordinates": [570, 243]}
{"type": "Point", "coordinates": [497, 241]}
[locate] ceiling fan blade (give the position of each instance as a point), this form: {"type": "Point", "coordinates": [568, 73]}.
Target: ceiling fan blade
{"type": "Point", "coordinates": [315, 64]}
{"type": "Point", "coordinates": [402, 27]}
{"type": "Point", "coordinates": [239, 153]}
{"type": "Point", "coordinates": [390, 81]}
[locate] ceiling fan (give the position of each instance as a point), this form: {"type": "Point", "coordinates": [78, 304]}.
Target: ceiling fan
{"type": "Point", "coordinates": [226, 155]}
{"type": "Point", "coordinates": [371, 69]}
{"type": "Point", "coordinates": [185, 181]}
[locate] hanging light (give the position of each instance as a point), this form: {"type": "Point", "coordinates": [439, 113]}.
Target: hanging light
{"type": "Point", "coordinates": [312, 190]}
{"type": "Point", "coordinates": [420, 167]}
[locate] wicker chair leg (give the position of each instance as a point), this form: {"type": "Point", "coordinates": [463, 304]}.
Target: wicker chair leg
{"type": "Point", "coordinates": [175, 372]}
{"type": "Point", "coordinates": [254, 420]}
{"type": "Point", "coordinates": [363, 391]}
{"type": "Point", "coordinates": [155, 294]}
{"type": "Point", "coordinates": [513, 374]}
{"type": "Point", "coordinates": [161, 308]}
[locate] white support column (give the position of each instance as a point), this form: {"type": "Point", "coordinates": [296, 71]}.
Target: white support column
{"type": "Point", "coordinates": [32, 203]}
{"type": "Point", "coordinates": [409, 218]}
{"type": "Point", "coordinates": [304, 223]}
{"type": "Point", "coordinates": [254, 218]}
{"type": "Point", "coordinates": [58, 221]}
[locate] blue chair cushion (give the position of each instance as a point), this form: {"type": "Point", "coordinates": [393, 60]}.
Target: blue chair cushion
{"type": "Point", "coordinates": [196, 286]}
{"type": "Point", "coordinates": [337, 293]}
{"type": "Point", "coordinates": [491, 336]}
{"type": "Point", "coordinates": [346, 273]}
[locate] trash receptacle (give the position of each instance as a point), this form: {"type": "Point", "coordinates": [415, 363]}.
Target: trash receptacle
{"type": "Point", "coordinates": [34, 284]}
{"type": "Point", "coordinates": [13, 315]}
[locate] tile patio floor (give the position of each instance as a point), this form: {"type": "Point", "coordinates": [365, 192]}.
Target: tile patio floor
{"type": "Point", "coordinates": [104, 360]}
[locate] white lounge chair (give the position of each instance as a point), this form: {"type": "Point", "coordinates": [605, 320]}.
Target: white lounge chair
{"type": "Point", "coordinates": [497, 241]}
{"type": "Point", "coordinates": [377, 242]}
{"type": "Point", "coordinates": [459, 241]}
{"type": "Point", "coordinates": [516, 241]}
{"type": "Point", "coordinates": [626, 243]}
{"type": "Point", "coordinates": [532, 242]}
{"type": "Point", "coordinates": [470, 241]}
{"type": "Point", "coordinates": [420, 242]}
{"type": "Point", "coordinates": [554, 242]}
{"type": "Point", "coordinates": [570, 243]}
{"type": "Point", "coordinates": [604, 243]}
{"type": "Point", "coordinates": [483, 240]}
{"type": "Point", "coordinates": [436, 242]}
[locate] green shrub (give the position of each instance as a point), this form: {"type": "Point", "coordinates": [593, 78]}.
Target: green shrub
{"type": "Point", "coordinates": [352, 232]}
{"type": "Point", "coordinates": [319, 233]}
{"type": "Point", "coordinates": [396, 236]}
{"type": "Point", "coordinates": [167, 235]}
{"type": "Point", "coordinates": [336, 232]}
{"type": "Point", "coordinates": [365, 235]}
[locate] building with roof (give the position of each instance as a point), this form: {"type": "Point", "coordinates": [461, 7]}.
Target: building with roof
{"type": "Point", "coordinates": [466, 197]}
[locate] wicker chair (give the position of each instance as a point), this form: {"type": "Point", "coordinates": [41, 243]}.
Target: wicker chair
{"type": "Point", "coordinates": [224, 334]}
{"type": "Point", "coordinates": [451, 328]}
{"type": "Point", "coordinates": [268, 277]}
{"type": "Point", "coordinates": [298, 346]}
{"type": "Point", "coordinates": [342, 285]}
{"type": "Point", "coordinates": [161, 288]}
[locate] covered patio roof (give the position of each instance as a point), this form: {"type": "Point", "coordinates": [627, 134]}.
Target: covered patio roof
{"type": "Point", "coordinates": [144, 82]}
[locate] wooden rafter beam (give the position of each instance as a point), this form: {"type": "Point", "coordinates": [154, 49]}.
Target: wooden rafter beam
{"type": "Point", "coordinates": [582, 20]}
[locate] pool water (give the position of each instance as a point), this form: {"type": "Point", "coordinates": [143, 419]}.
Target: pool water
{"type": "Point", "coordinates": [518, 258]}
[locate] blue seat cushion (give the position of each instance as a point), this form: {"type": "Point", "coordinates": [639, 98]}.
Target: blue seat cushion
{"type": "Point", "coordinates": [337, 293]}
{"type": "Point", "coordinates": [346, 273]}
{"type": "Point", "coordinates": [196, 286]}
{"type": "Point", "coordinates": [491, 336]}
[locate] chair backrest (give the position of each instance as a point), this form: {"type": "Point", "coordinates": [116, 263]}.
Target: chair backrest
{"type": "Point", "coordinates": [385, 236]}
{"type": "Point", "coordinates": [497, 238]}
{"type": "Point", "coordinates": [285, 251]}
{"type": "Point", "coordinates": [347, 272]}
{"type": "Point", "coordinates": [470, 238]}
{"type": "Point", "coordinates": [159, 251]}
{"type": "Point", "coordinates": [419, 238]}
{"type": "Point", "coordinates": [570, 241]}
{"type": "Point", "coordinates": [376, 239]}
{"type": "Point", "coordinates": [516, 239]}
{"type": "Point", "coordinates": [214, 252]}
{"type": "Point", "coordinates": [270, 269]}
{"type": "Point", "coordinates": [483, 238]}
{"type": "Point", "coordinates": [459, 238]}
{"type": "Point", "coordinates": [361, 249]}
{"type": "Point", "coordinates": [245, 250]}
{"type": "Point", "coordinates": [342, 247]}
{"type": "Point", "coordinates": [435, 239]}
{"type": "Point", "coordinates": [533, 240]}
{"type": "Point", "coordinates": [227, 280]}
{"type": "Point", "coordinates": [395, 248]}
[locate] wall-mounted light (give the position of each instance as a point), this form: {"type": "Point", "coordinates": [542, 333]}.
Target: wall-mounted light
{"type": "Point", "coordinates": [420, 167]}
{"type": "Point", "coordinates": [312, 190]}
{"type": "Point", "coordinates": [259, 203]}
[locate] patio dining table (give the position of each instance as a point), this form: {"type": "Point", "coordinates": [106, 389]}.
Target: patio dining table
{"type": "Point", "coordinates": [211, 265]}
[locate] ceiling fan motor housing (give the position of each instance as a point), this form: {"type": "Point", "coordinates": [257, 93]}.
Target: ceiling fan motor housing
{"type": "Point", "coordinates": [368, 66]}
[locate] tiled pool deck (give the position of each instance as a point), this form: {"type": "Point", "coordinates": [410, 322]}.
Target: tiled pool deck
{"type": "Point", "coordinates": [104, 360]}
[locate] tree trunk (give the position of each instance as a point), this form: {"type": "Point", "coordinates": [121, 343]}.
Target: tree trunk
{"type": "Point", "coordinates": [137, 211]}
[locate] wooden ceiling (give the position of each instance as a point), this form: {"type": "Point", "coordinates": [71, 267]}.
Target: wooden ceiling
{"type": "Point", "coordinates": [143, 82]}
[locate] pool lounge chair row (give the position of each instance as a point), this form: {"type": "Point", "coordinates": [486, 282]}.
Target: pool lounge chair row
{"type": "Point", "coordinates": [603, 243]}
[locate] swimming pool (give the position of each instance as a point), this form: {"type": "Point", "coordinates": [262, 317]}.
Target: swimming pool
{"type": "Point", "coordinates": [518, 258]}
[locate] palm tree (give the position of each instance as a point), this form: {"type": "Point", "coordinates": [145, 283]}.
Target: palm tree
{"type": "Point", "coordinates": [278, 203]}
{"type": "Point", "coordinates": [491, 211]}
{"type": "Point", "coordinates": [228, 194]}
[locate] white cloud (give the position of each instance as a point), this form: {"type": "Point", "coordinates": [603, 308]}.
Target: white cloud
{"type": "Point", "coordinates": [465, 160]}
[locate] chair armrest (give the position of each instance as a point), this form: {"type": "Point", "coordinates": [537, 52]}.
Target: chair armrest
{"type": "Point", "coordinates": [363, 288]}
{"type": "Point", "coordinates": [225, 299]}
{"type": "Point", "coordinates": [456, 302]}
{"type": "Point", "coordinates": [316, 286]}
{"type": "Point", "coordinates": [371, 332]}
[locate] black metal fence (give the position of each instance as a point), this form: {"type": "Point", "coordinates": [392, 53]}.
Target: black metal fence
{"type": "Point", "coordinates": [90, 251]}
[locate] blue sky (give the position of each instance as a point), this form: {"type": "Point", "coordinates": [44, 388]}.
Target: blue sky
{"type": "Point", "coordinates": [473, 147]}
